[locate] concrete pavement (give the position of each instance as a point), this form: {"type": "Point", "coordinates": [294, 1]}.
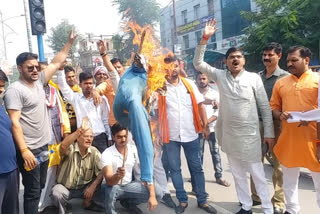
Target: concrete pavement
{"type": "Point", "coordinates": [224, 199]}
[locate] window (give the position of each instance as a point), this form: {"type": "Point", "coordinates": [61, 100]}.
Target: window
{"type": "Point", "coordinates": [196, 10]}
{"type": "Point", "coordinates": [186, 41]}
{"type": "Point", "coordinates": [233, 25]}
{"type": "Point", "coordinates": [213, 38]}
{"type": "Point", "coordinates": [184, 16]}
{"type": "Point", "coordinates": [198, 36]}
{"type": "Point", "coordinates": [210, 7]}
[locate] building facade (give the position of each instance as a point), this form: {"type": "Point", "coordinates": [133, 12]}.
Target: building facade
{"type": "Point", "coordinates": [89, 53]}
{"type": "Point", "coordinates": [191, 16]}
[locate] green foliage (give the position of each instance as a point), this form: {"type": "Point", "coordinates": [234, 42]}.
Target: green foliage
{"type": "Point", "coordinates": [59, 35]}
{"type": "Point", "coordinates": [288, 22]}
{"type": "Point", "coordinates": [118, 45]}
{"type": "Point", "coordinates": [143, 12]}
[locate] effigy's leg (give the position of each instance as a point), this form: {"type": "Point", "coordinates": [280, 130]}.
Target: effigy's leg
{"type": "Point", "coordinates": [139, 126]}
{"type": "Point", "coordinates": [121, 114]}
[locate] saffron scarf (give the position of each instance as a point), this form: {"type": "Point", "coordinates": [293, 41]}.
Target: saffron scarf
{"type": "Point", "coordinates": [163, 119]}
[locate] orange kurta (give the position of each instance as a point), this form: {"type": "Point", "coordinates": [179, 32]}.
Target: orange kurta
{"type": "Point", "coordinates": [106, 89]}
{"type": "Point", "coordinates": [296, 146]}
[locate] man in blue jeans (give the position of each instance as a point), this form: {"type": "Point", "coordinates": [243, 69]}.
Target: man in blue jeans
{"type": "Point", "coordinates": [9, 174]}
{"type": "Point", "coordinates": [118, 163]}
{"type": "Point", "coordinates": [179, 116]}
{"type": "Point", "coordinates": [211, 97]}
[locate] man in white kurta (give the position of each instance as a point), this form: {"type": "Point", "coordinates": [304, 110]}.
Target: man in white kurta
{"type": "Point", "coordinates": [242, 95]}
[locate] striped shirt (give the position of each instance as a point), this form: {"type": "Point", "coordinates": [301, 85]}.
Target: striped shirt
{"type": "Point", "coordinates": [76, 171]}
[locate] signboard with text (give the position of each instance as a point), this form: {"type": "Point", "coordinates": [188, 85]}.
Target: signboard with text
{"type": "Point", "coordinates": [195, 25]}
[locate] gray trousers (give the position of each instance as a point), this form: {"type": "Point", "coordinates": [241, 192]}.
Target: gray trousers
{"type": "Point", "coordinates": [61, 195]}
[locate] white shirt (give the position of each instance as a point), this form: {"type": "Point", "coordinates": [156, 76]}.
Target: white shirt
{"type": "Point", "coordinates": [115, 78]}
{"type": "Point", "coordinates": [212, 94]}
{"type": "Point", "coordinates": [180, 111]}
{"type": "Point", "coordinates": [111, 156]}
{"type": "Point", "coordinates": [98, 115]}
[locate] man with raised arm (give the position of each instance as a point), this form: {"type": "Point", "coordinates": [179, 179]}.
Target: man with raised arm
{"type": "Point", "coordinates": [237, 127]}
{"type": "Point", "coordinates": [26, 105]}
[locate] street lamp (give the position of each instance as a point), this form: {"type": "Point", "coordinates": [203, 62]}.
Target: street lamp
{"type": "Point", "coordinates": [3, 36]}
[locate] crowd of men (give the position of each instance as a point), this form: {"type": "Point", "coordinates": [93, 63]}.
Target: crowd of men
{"type": "Point", "coordinates": [93, 156]}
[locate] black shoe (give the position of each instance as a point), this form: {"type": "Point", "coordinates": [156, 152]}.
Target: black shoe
{"type": "Point", "coordinates": [94, 207]}
{"type": "Point", "coordinates": [286, 212]}
{"type": "Point", "coordinates": [130, 207]}
{"type": "Point", "coordinates": [180, 209]}
{"type": "Point", "coordinates": [242, 211]}
{"type": "Point", "coordinates": [277, 210]}
{"type": "Point", "coordinates": [208, 208]}
{"type": "Point", "coordinates": [256, 203]}
{"type": "Point", "coordinates": [167, 200]}
{"type": "Point", "coordinates": [68, 208]}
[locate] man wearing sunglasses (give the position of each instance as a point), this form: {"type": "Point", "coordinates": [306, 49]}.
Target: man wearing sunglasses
{"type": "Point", "coordinates": [26, 106]}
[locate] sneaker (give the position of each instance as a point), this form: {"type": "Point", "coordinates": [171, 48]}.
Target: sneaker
{"type": "Point", "coordinates": [132, 208]}
{"type": "Point", "coordinates": [167, 200]}
{"type": "Point", "coordinates": [208, 208]}
{"type": "Point", "coordinates": [242, 211]}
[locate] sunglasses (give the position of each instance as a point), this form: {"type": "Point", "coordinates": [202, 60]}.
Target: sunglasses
{"type": "Point", "coordinates": [31, 68]}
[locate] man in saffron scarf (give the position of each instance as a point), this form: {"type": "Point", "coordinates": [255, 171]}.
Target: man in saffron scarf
{"type": "Point", "coordinates": [180, 111]}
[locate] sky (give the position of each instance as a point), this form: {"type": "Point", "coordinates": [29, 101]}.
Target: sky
{"type": "Point", "coordinates": [95, 16]}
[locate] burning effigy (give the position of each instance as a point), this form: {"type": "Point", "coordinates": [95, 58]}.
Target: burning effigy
{"type": "Point", "coordinates": [145, 76]}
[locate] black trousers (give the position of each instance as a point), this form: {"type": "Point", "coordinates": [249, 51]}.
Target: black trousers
{"type": "Point", "coordinates": [9, 192]}
{"type": "Point", "coordinates": [101, 142]}
{"type": "Point", "coordinates": [33, 181]}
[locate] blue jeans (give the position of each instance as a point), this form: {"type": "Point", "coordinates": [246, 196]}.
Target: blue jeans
{"type": "Point", "coordinates": [9, 192]}
{"type": "Point", "coordinates": [134, 193]}
{"type": "Point", "coordinates": [215, 155]}
{"type": "Point", "coordinates": [192, 153]}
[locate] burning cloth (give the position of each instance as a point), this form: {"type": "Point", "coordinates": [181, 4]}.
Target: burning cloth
{"type": "Point", "coordinates": [130, 112]}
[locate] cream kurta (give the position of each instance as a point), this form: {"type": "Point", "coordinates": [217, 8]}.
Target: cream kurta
{"type": "Point", "coordinates": [237, 128]}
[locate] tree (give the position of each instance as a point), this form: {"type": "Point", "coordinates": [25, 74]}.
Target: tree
{"type": "Point", "coordinates": [143, 12]}
{"type": "Point", "coordinates": [288, 22]}
{"type": "Point", "coordinates": [118, 45]}
{"type": "Point", "coordinates": [59, 36]}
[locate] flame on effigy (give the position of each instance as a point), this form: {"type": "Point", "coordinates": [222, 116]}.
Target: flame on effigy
{"type": "Point", "coordinates": [157, 68]}
{"type": "Point", "coordinates": [154, 54]}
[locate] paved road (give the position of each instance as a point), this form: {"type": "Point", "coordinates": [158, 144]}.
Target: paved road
{"type": "Point", "coordinates": [223, 198]}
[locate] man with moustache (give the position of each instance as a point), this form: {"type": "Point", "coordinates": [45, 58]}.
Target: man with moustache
{"type": "Point", "coordinates": [71, 79]}
{"type": "Point", "coordinates": [118, 175]}
{"type": "Point", "coordinates": [79, 173]}
{"type": "Point", "coordinates": [211, 97]}
{"type": "Point", "coordinates": [104, 87]}
{"type": "Point", "coordinates": [114, 66]}
{"type": "Point", "coordinates": [237, 128]}
{"type": "Point", "coordinates": [180, 111]}
{"type": "Point", "coordinates": [84, 106]}
{"type": "Point", "coordinates": [26, 105]}
{"type": "Point", "coordinates": [272, 54]}
{"type": "Point", "coordinates": [118, 65]}
{"type": "Point", "coordinates": [298, 144]}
